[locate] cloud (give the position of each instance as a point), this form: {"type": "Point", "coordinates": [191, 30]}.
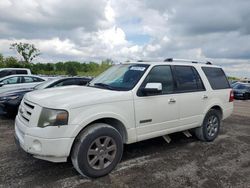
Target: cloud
{"type": "Point", "coordinates": [82, 30]}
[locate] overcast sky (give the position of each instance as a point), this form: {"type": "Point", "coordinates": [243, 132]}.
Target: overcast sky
{"type": "Point", "coordinates": [216, 30]}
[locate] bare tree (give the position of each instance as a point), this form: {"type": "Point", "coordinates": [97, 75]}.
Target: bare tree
{"type": "Point", "coordinates": [26, 50]}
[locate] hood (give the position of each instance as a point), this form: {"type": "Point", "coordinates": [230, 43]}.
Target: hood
{"type": "Point", "coordinates": [69, 97]}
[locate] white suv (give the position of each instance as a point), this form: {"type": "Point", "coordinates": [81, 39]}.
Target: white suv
{"type": "Point", "coordinates": [128, 103]}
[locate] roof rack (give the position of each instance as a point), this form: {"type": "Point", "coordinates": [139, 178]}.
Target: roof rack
{"type": "Point", "coordinates": [186, 60]}
{"type": "Point", "coordinates": [141, 60]}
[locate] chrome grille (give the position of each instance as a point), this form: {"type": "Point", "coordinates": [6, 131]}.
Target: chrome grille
{"type": "Point", "coordinates": [25, 111]}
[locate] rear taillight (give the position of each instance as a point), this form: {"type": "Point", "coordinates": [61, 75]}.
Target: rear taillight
{"type": "Point", "coordinates": [231, 97]}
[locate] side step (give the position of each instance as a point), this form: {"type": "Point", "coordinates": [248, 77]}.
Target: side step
{"type": "Point", "coordinates": [187, 133]}
{"type": "Point", "coordinates": [168, 139]}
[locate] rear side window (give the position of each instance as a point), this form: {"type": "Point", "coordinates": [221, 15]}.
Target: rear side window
{"type": "Point", "coordinates": [81, 82]}
{"type": "Point", "coordinates": [21, 72]}
{"type": "Point", "coordinates": [35, 79]}
{"type": "Point", "coordinates": [66, 82]}
{"type": "Point", "coordinates": [27, 79]}
{"type": "Point", "coordinates": [216, 77]}
{"type": "Point", "coordinates": [187, 79]}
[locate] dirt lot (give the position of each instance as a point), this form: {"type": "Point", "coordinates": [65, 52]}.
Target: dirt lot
{"type": "Point", "coordinates": [185, 162]}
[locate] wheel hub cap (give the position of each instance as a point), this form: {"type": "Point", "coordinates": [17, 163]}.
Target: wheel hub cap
{"type": "Point", "coordinates": [101, 152]}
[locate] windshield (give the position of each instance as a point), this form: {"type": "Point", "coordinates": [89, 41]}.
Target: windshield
{"type": "Point", "coordinates": [121, 77]}
{"type": "Point", "coordinates": [241, 86]}
{"type": "Point", "coordinates": [46, 84]}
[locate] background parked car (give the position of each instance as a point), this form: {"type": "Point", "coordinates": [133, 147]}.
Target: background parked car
{"type": "Point", "coordinates": [242, 91]}
{"type": "Point", "coordinates": [10, 71]}
{"type": "Point", "coordinates": [19, 81]}
{"type": "Point", "coordinates": [10, 101]}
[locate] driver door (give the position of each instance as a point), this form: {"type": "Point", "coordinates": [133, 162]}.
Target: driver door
{"type": "Point", "coordinates": [157, 113]}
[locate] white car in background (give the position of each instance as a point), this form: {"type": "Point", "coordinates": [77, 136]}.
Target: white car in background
{"type": "Point", "coordinates": [19, 81]}
{"type": "Point", "coordinates": [10, 71]}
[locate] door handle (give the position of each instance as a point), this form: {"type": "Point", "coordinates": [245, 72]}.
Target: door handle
{"type": "Point", "coordinates": [171, 101]}
{"type": "Point", "coordinates": [205, 97]}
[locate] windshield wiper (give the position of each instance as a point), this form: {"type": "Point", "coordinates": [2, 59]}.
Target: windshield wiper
{"type": "Point", "coordinates": [106, 86]}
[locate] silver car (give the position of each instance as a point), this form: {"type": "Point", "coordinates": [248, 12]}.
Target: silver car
{"type": "Point", "coordinates": [19, 81]}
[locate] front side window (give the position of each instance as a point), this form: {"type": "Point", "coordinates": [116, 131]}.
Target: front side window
{"type": "Point", "coordinates": [120, 77]}
{"type": "Point", "coordinates": [187, 79]}
{"type": "Point", "coordinates": [159, 74]}
{"type": "Point", "coordinates": [216, 78]}
{"type": "Point", "coordinates": [4, 73]}
{"type": "Point", "coordinates": [12, 80]}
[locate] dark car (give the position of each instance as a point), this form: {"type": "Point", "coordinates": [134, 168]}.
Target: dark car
{"type": "Point", "coordinates": [10, 101]}
{"type": "Point", "coordinates": [242, 91]}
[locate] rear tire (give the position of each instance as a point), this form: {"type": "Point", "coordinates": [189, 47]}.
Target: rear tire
{"type": "Point", "coordinates": [210, 126]}
{"type": "Point", "coordinates": [97, 150]}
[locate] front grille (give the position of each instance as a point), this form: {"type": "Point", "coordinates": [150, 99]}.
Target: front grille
{"type": "Point", "coordinates": [25, 111]}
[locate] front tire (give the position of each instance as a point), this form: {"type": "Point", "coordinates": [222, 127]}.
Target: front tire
{"type": "Point", "coordinates": [210, 126]}
{"type": "Point", "coordinates": [97, 150]}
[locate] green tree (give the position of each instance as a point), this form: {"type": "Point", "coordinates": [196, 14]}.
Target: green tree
{"type": "Point", "coordinates": [26, 50]}
{"type": "Point", "coordinates": [12, 62]}
{"type": "Point", "coordinates": [71, 70]}
{"type": "Point", "coordinates": [1, 61]}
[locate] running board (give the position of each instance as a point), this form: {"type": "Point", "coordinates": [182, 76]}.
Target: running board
{"type": "Point", "coordinates": [187, 133]}
{"type": "Point", "coordinates": [167, 138]}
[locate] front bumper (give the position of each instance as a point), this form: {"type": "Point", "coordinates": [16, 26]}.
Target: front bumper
{"type": "Point", "coordinates": [50, 149]}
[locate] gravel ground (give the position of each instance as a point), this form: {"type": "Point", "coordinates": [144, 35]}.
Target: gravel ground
{"type": "Point", "coordinates": [185, 162]}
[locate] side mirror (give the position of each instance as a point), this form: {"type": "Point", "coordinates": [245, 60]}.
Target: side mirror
{"type": "Point", "coordinates": [1, 84]}
{"type": "Point", "coordinates": [152, 88]}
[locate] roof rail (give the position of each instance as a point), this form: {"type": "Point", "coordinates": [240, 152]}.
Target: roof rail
{"type": "Point", "coordinates": [186, 60]}
{"type": "Point", "coordinates": [141, 60]}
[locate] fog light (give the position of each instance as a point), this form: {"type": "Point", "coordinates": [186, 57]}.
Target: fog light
{"type": "Point", "coordinates": [37, 146]}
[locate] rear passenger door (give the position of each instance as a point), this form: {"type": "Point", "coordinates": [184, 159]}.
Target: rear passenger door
{"type": "Point", "coordinates": [159, 112]}
{"type": "Point", "coordinates": [191, 94]}
{"type": "Point", "coordinates": [30, 81]}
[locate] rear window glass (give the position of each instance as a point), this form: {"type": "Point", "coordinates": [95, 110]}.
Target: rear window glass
{"type": "Point", "coordinates": [216, 77]}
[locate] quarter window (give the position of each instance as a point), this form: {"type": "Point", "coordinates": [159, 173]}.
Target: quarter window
{"type": "Point", "coordinates": [216, 77]}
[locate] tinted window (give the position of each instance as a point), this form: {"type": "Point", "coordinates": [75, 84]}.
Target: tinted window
{"type": "Point", "coordinates": [160, 74]}
{"type": "Point", "coordinates": [216, 77]}
{"type": "Point", "coordinates": [12, 80]}
{"type": "Point", "coordinates": [65, 83]}
{"type": "Point", "coordinates": [21, 72]}
{"type": "Point", "coordinates": [187, 79]}
{"type": "Point", "coordinates": [80, 81]}
{"type": "Point", "coordinates": [5, 73]}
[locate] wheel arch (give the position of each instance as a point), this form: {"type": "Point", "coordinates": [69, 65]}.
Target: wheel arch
{"type": "Point", "coordinates": [114, 122]}
{"type": "Point", "coordinates": [216, 107]}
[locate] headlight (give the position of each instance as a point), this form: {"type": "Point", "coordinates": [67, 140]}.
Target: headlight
{"type": "Point", "coordinates": [13, 97]}
{"type": "Point", "coordinates": [51, 117]}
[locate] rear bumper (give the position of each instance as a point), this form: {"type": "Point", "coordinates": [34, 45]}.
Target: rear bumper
{"type": "Point", "coordinates": [227, 112]}
{"type": "Point", "coordinates": [54, 149]}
